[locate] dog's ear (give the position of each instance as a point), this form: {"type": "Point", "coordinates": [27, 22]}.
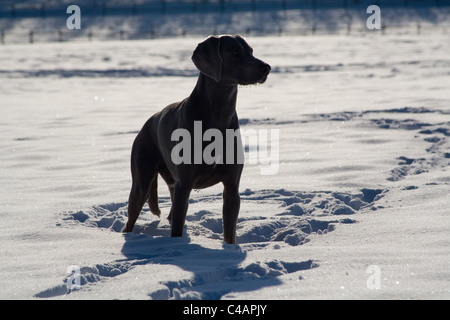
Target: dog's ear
{"type": "Point", "coordinates": [207, 58]}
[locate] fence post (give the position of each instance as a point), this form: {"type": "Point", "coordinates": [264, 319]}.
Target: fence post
{"type": "Point", "coordinates": [31, 36]}
{"type": "Point", "coordinates": [2, 36]}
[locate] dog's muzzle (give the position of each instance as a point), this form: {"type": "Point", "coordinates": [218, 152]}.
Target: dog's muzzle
{"type": "Point", "coordinates": [265, 70]}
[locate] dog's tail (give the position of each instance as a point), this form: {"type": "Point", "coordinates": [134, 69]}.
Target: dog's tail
{"type": "Point", "coordinates": [153, 197]}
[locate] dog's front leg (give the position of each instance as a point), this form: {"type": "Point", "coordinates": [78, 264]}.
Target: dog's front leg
{"type": "Point", "coordinates": [231, 205]}
{"type": "Point", "coordinates": [179, 208]}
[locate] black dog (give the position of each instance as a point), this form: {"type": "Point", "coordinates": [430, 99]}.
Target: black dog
{"type": "Point", "coordinates": [224, 63]}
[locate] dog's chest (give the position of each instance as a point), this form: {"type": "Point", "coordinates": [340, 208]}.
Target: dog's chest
{"type": "Point", "coordinates": [208, 175]}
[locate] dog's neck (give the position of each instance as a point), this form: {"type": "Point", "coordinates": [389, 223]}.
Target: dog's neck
{"type": "Point", "coordinates": [216, 99]}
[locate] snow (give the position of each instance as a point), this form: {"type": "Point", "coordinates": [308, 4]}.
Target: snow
{"type": "Point", "coordinates": [363, 180]}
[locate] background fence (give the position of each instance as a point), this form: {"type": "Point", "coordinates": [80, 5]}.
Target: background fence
{"type": "Point", "coordinates": [33, 36]}
{"type": "Point", "coordinates": [45, 20]}
{"type": "Point", "coordinates": [46, 8]}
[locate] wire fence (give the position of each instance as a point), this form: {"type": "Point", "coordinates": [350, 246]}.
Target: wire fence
{"type": "Point", "coordinates": [45, 11]}
{"type": "Point", "coordinates": [46, 8]}
{"type": "Point", "coordinates": [34, 36]}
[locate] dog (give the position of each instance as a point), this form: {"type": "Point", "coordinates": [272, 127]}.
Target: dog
{"type": "Point", "coordinates": [224, 62]}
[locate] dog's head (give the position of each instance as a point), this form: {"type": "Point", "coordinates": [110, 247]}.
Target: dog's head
{"type": "Point", "coordinates": [229, 59]}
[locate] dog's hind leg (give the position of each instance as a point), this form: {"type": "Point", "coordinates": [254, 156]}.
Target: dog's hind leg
{"type": "Point", "coordinates": [153, 197]}
{"type": "Point", "coordinates": [136, 200]}
{"type": "Point", "coordinates": [144, 165]}
{"type": "Point", "coordinates": [169, 217]}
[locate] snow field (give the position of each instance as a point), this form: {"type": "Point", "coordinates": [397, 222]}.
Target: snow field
{"type": "Point", "coordinates": [362, 180]}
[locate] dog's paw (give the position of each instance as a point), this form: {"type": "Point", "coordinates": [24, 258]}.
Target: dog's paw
{"type": "Point", "coordinates": [156, 212]}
